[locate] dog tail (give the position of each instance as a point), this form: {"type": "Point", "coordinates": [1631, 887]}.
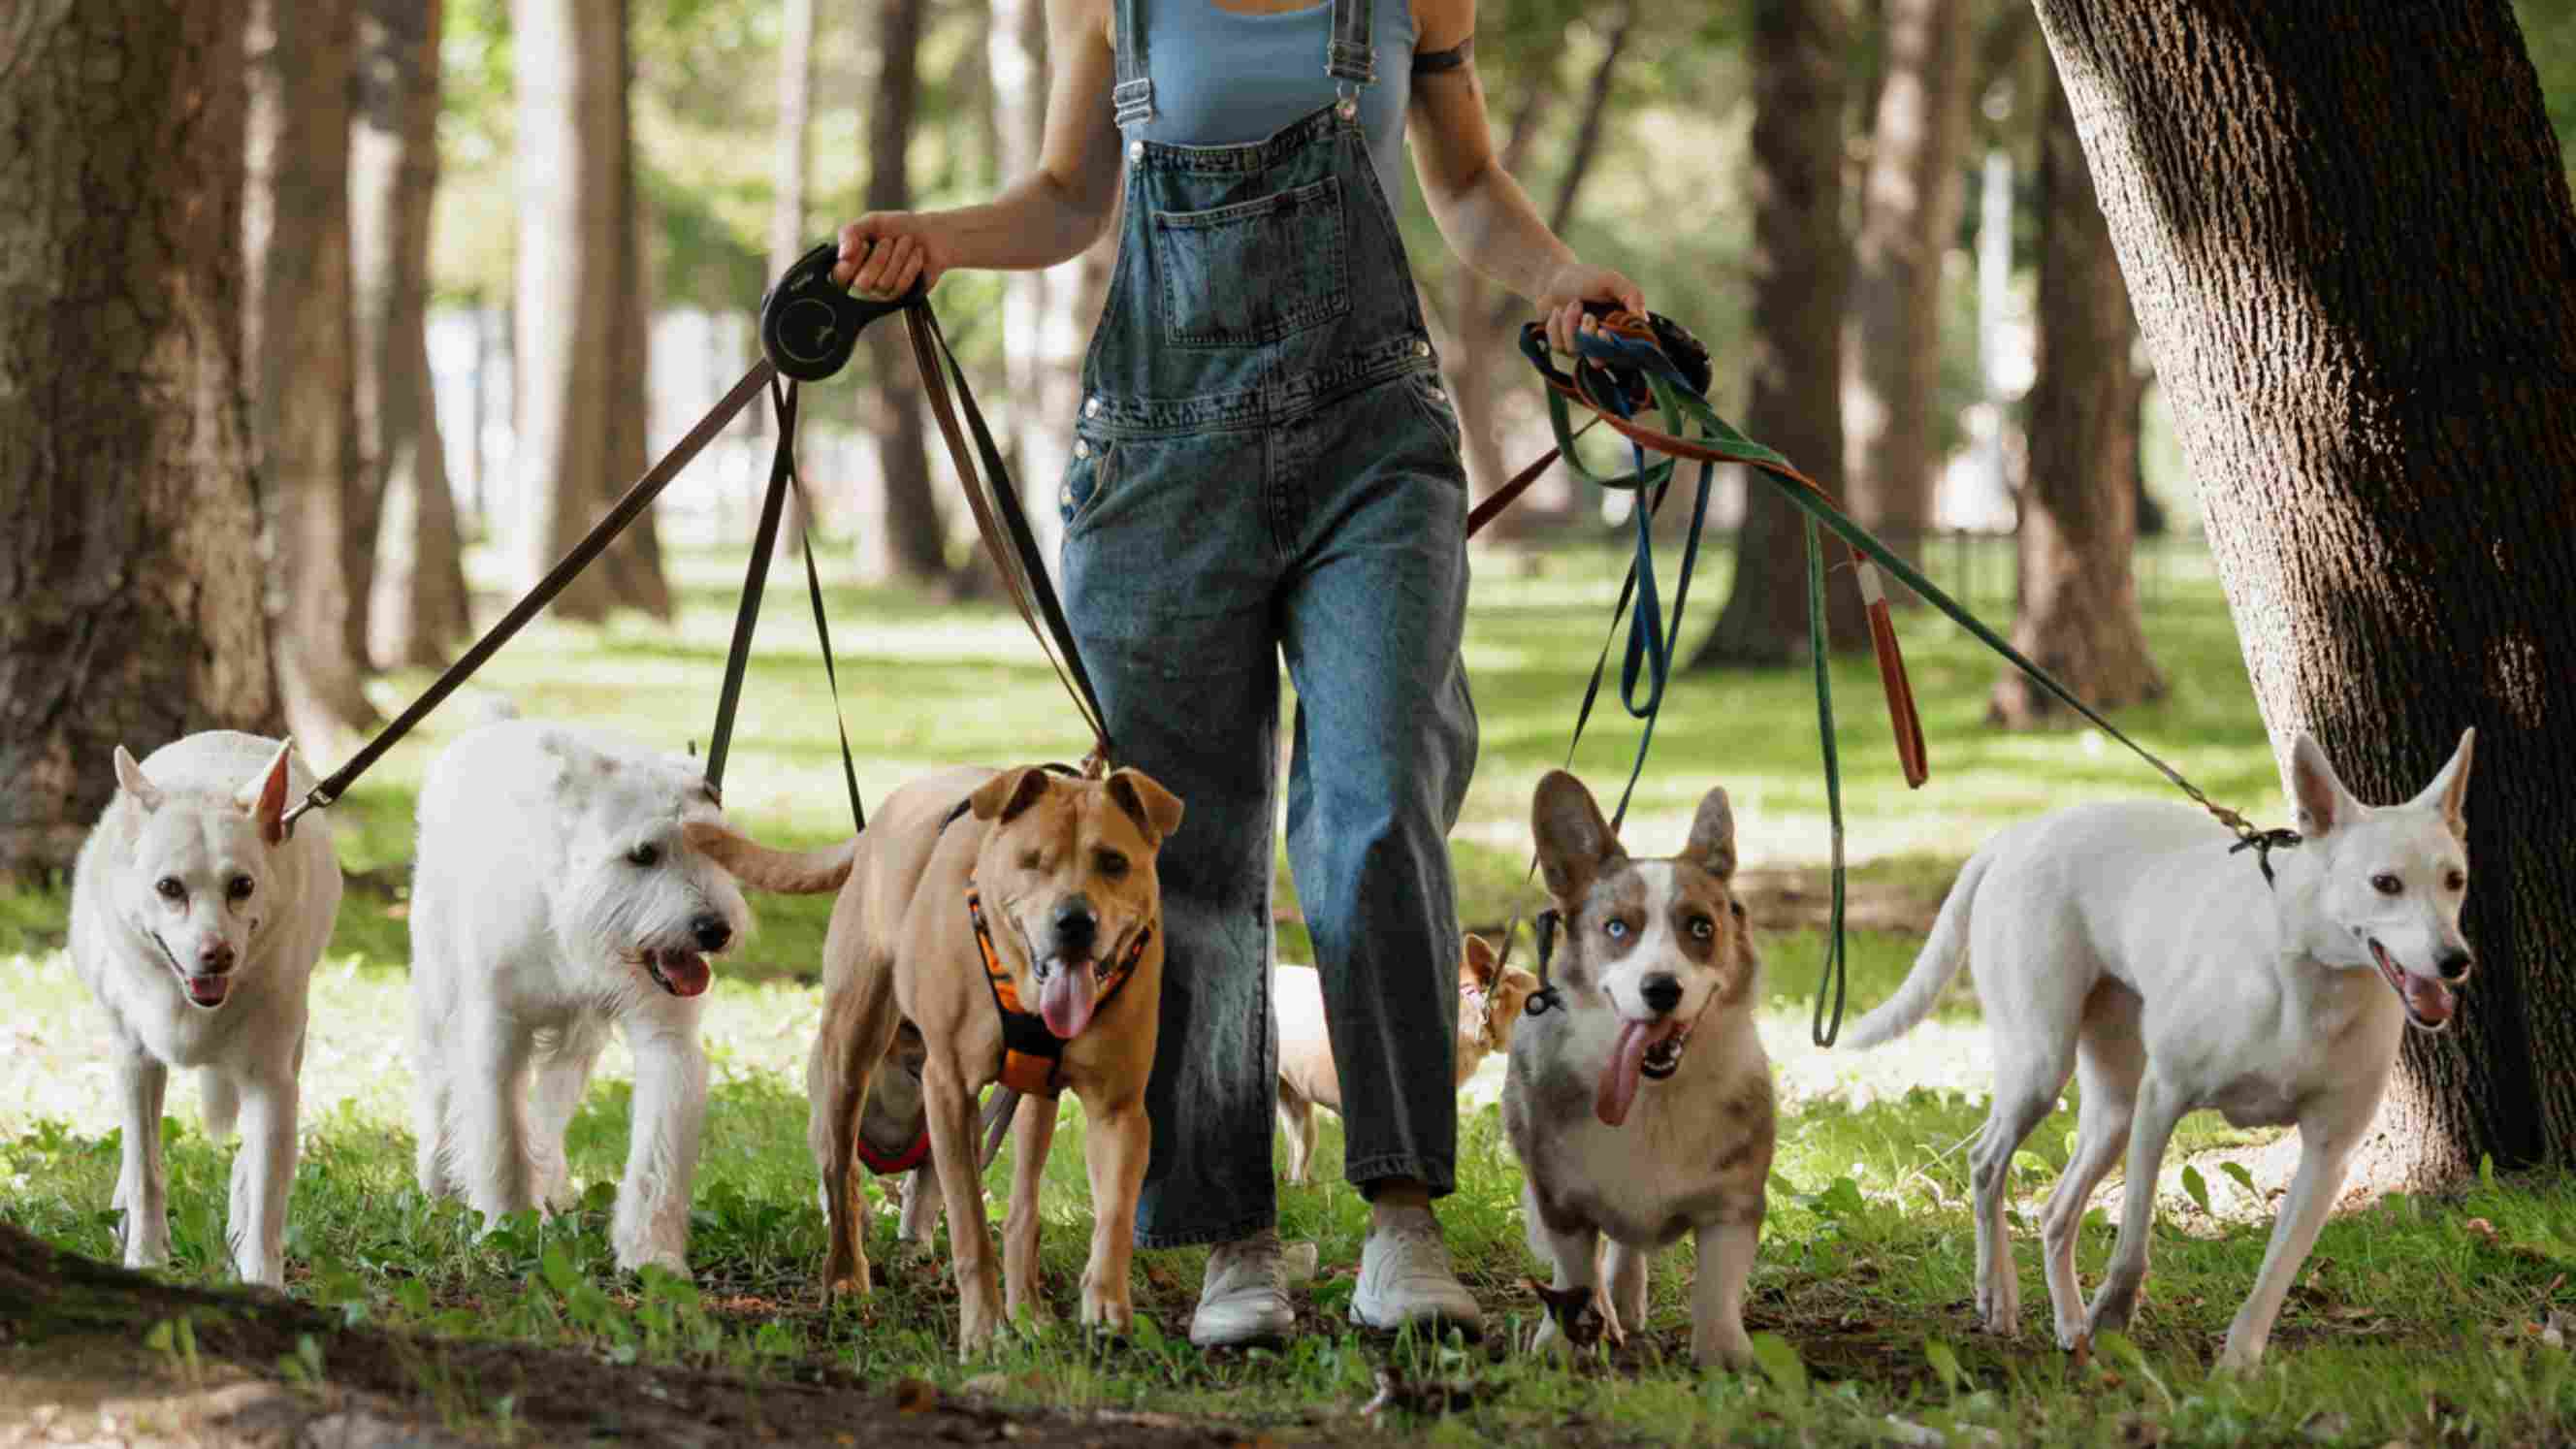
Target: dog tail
{"type": "Point", "coordinates": [786, 872]}
{"type": "Point", "coordinates": [1942, 956]}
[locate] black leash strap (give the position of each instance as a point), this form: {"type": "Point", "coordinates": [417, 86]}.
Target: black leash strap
{"type": "Point", "coordinates": [783, 479]}
{"type": "Point", "coordinates": [999, 518]}
{"type": "Point", "coordinates": [628, 508]}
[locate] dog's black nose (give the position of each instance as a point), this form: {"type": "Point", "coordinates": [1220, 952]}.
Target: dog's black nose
{"type": "Point", "coordinates": [1075, 926]}
{"type": "Point", "coordinates": [711, 931]}
{"type": "Point", "coordinates": [2455, 965]}
{"type": "Point", "coordinates": [215, 959]}
{"type": "Point", "coordinates": [1662, 993]}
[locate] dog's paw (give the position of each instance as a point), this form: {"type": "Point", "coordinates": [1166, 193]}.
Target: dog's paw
{"type": "Point", "coordinates": [1714, 1351]}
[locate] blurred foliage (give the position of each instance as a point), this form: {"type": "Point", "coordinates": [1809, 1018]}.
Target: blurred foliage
{"type": "Point", "coordinates": [1663, 199]}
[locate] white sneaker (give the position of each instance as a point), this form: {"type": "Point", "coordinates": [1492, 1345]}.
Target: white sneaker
{"type": "Point", "coordinates": [1405, 1279]}
{"type": "Point", "coordinates": [1241, 1301]}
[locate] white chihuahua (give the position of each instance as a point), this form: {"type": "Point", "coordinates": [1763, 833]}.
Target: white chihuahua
{"type": "Point", "coordinates": [196, 921]}
{"type": "Point", "coordinates": [2131, 943]}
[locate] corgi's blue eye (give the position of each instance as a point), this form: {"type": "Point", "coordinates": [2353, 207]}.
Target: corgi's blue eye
{"type": "Point", "coordinates": [1614, 929]}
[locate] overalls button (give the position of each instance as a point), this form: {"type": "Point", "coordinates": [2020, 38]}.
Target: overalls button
{"type": "Point", "coordinates": [1091, 408]}
{"type": "Point", "coordinates": [1081, 448]}
{"type": "Point", "coordinates": [1067, 495]}
{"type": "Point", "coordinates": [1421, 348]}
{"type": "Point", "coordinates": [1135, 150]}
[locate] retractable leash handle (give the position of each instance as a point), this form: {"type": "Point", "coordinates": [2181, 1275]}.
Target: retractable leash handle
{"type": "Point", "coordinates": [809, 325]}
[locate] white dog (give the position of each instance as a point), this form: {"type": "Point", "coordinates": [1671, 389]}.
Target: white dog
{"type": "Point", "coordinates": [2129, 942]}
{"type": "Point", "coordinates": [196, 921]}
{"type": "Point", "coordinates": [553, 897]}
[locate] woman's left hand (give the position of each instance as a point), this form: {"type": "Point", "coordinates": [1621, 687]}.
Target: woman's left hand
{"type": "Point", "coordinates": [1560, 302]}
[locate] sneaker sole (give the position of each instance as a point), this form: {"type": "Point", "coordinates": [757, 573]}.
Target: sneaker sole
{"type": "Point", "coordinates": [1438, 1321]}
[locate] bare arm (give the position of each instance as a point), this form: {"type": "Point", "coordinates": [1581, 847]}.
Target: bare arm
{"type": "Point", "coordinates": [1482, 212]}
{"type": "Point", "coordinates": [1046, 217]}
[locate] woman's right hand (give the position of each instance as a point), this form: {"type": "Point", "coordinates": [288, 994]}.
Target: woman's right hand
{"type": "Point", "coordinates": [884, 252]}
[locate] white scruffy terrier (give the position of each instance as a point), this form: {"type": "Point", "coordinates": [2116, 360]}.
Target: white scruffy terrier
{"type": "Point", "coordinates": [2133, 944]}
{"type": "Point", "coordinates": [196, 921]}
{"type": "Point", "coordinates": [554, 896]}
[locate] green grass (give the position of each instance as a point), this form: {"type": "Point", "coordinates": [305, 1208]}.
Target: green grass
{"type": "Point", "coordinates": [2409, 1322]}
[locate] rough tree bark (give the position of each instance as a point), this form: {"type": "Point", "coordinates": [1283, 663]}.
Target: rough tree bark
{"type": "Point", "coordinates": [633, 565]}
{"type": "Point", "coordinates": [418, 605]}
{"type": "Point", "coordinates": [130, 608]}
{"type": "Point", "coordinates": [565, 68]}
{"type": "Point", "coordinates": [296, 348]}
{"type": "Point", "coordinates": [916, 540]}
{"type": "Point", "coordinates": [2348, 236]}
{"type": "Point", "coordinates": [2079, 596]}
{"type": "Point", "coordinates": [1800, 270]}
{"type": "Point", "coordinates": [1909, 213]}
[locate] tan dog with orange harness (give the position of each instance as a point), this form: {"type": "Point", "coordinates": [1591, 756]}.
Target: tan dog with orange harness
{"type": "Point", "coordinates": [972, 894]}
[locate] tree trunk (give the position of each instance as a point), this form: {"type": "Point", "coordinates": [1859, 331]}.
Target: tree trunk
{"type": "Point", "coordinates": [2079, 596]}
{"type": "Point", "coordinates": [916, 540]}
{"type": "Point", "coordinates": [296, 346]}
{"type": "Point", "coordinates": [418, 607]}
{"type": "Point", "coordinates": [130, 609]}
{"type": "Point", "coordinates": [2348, 238]}
{"type": "Point", "coordinates": [787, 201]}
{"type": "Point", "coordinates": [567, 75]}
{"type": "Point", "coordinates": [1800, 270]}
{"type": "Point", "coordinates": [634, 563]}
{"type": "Point", "coordinates": [1909, 215]}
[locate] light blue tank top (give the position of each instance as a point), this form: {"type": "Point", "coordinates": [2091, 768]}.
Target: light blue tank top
{"type": "Point", "coordinates": [1222, 78]}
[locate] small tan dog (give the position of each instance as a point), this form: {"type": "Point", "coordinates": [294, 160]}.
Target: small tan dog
{"type": "Point", "coordinates": [970, 892]}
{"type": "Point", "coordinates": [1490, 999]}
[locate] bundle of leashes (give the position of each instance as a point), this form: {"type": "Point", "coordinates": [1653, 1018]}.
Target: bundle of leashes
{"type": "Point", "coordinates": [1625, 365]}
{"type": "Point", "coordinates": [809, 327]}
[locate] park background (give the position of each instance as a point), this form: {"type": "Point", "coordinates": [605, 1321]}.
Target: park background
{"type": "Point", "coordinates": [492, 258]}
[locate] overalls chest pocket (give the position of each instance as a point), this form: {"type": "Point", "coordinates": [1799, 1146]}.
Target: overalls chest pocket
{"type": "Point", "coordinates": [1254, 272]}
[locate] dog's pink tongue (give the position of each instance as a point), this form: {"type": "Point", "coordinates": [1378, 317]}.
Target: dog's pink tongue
{"type": "Point", "coordinates": [209, 990]}
{"type": "Point", "coordinates": [2430, 999]}
{"type": "Point", "coordinates": [687, 971]}
{"type": "Point", "coordinates": [1619, 1079]}
{"type": "Point", "coordinates": [1066, 1000]}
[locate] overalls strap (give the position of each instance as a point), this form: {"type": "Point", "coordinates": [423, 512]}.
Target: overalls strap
{"type": "Point", "coordinates": [1132, 98]}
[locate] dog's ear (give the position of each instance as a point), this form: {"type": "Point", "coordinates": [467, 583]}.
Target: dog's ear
{"type": "Point", "coordinates": [1712, 836]}
{"type": "Point", "coordinates": [1478, 965]}
{"type": "Point", "coordinates": [1156, 811]}
{"type": "Point", "coordinates": [264, 798]}
{"type": "Point", "coordinates": [2449, 791]}
{"type": "Point", "coordinates": [130, 779]}
{"type": "Point", "coordinates": [1007, 794]}
{"type": "Point", "coordinates": [2319, 793]}
{"type": "Point", "coordinates": [1574, 842]}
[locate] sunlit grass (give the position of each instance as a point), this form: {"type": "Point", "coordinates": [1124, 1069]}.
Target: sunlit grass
{"type": "Point", "coordinates": [2408, 1324]}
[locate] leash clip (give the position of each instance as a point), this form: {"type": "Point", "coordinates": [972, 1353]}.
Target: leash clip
{"type": "Point", "coordinates": [2263, 843]}
{"type": "Point", "coordinates": [809, 327]}
{"type": "Point", "coordinates": [1547, 998]}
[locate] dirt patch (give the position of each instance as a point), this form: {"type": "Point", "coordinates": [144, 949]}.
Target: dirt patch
{"type": "Point", "coordinates": [72, 1349]}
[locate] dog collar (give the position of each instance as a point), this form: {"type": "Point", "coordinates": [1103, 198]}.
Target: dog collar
{"type": "Point", "coordinates": [899, 1163]}
{"type": "Point", "coordinates": [1032, 1056]}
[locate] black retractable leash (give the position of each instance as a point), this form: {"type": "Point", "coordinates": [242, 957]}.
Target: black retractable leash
{"type": "Point", "coordinates": [808, 328]}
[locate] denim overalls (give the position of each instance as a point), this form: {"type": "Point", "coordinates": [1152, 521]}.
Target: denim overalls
{"type": "Point", "coordinates": [1265, 464]}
